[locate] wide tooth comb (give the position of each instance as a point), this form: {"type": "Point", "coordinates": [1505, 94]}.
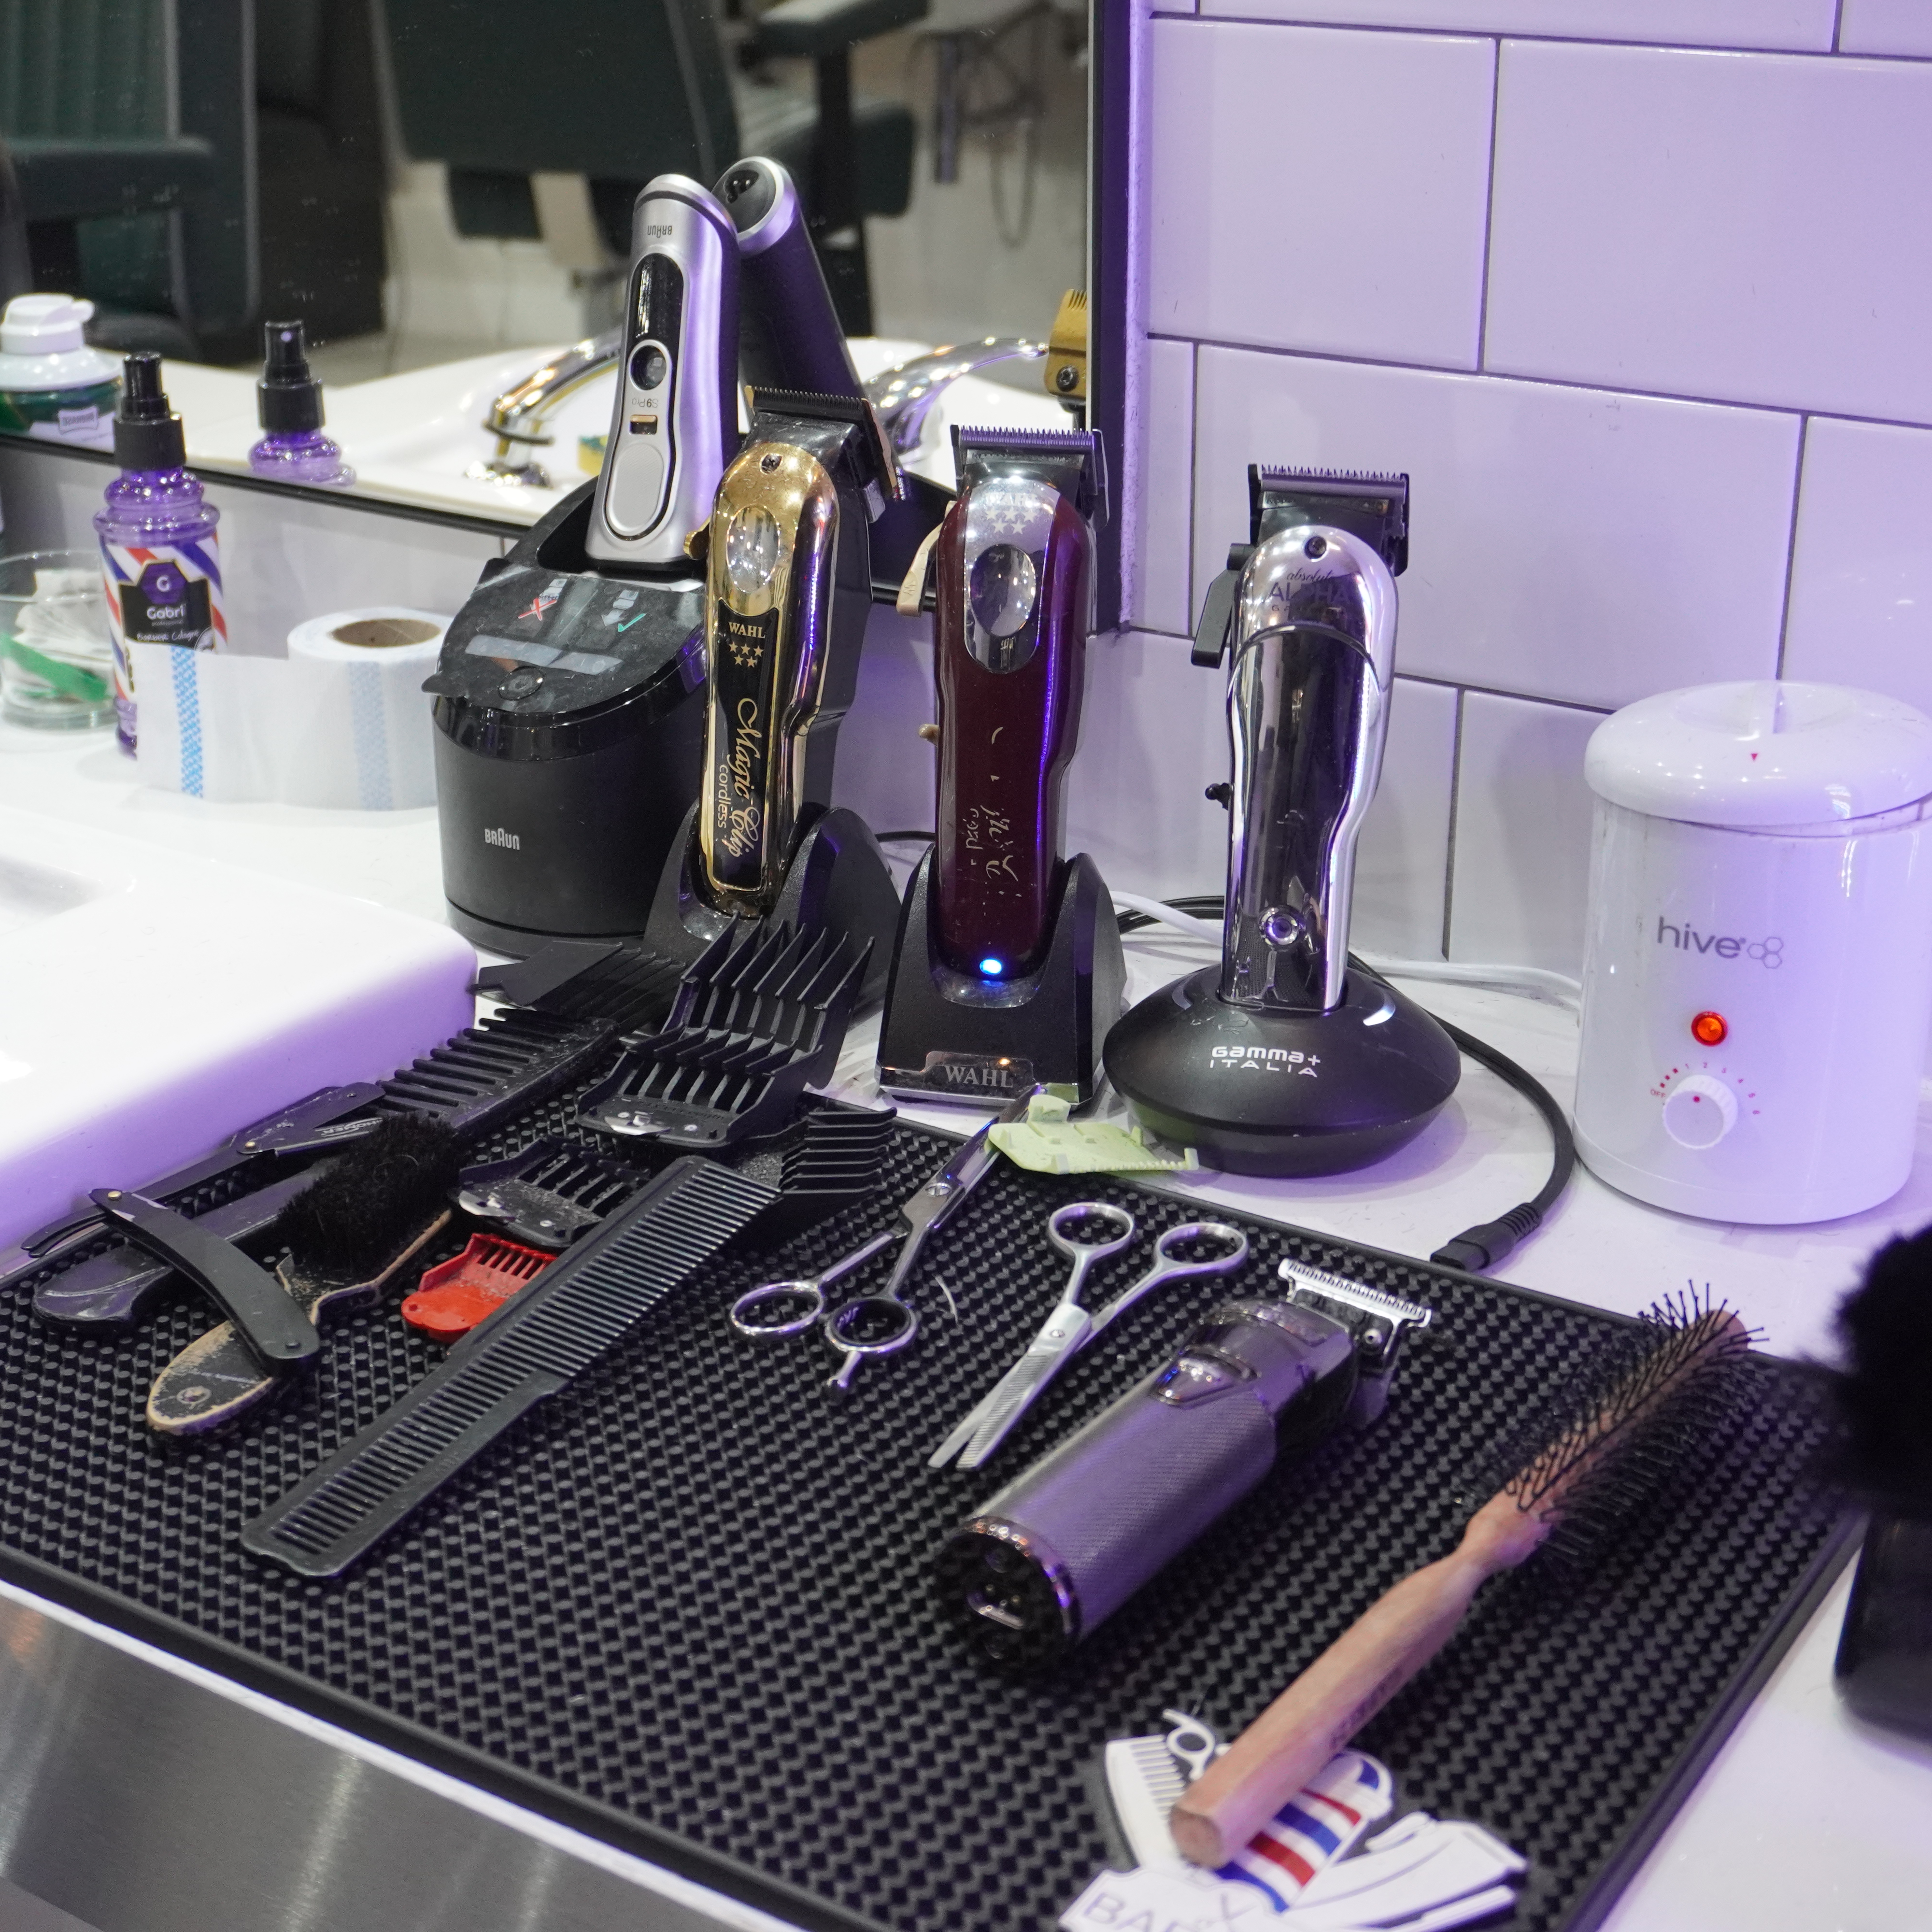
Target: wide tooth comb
{"type": "Point", "coordinates": [584, 1305]}
{"type": "Point", "coordinates": [549, 1194]}
{"type": "Point", "coordinates": [759, 1018]}
{"type": "Point", "coordinates": [461, 1295]}
{"type": "Point", "coordinates": [497, 1068]}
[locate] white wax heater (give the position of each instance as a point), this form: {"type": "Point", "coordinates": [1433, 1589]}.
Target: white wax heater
{"type": "Point", "coordinates": [1757, 985]}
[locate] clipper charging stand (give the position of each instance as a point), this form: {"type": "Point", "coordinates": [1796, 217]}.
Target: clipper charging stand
{"type": "Point", "coordinates": [1008, 969]}
{"type": "Point", "coordinates": [1287, 1059]}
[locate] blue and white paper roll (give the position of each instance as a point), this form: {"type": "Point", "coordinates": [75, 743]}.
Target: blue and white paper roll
{"type": "Point", "coordinates": [343, 721]}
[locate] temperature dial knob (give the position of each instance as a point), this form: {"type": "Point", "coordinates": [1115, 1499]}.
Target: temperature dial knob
{"type": "Point", "coordinates": [1700, 1111]}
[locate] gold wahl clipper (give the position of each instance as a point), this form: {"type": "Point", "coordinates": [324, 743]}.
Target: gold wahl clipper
{"type": "Point", "coordinates": [789, 589]}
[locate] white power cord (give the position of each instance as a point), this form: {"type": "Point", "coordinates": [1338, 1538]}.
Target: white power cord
{"type": "Point", "coordinates": [1537, 981]}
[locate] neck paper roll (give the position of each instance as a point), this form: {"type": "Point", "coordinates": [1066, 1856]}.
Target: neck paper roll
{"type": "Point", "coordinates": [343, 721]}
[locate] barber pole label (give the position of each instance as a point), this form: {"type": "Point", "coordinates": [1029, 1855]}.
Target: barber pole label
{"type": "Point", "coordinates": [159, 594]}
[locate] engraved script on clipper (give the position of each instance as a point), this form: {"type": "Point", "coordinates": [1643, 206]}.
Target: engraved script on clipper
{"type": "Point", "coordinates": [788, 589]}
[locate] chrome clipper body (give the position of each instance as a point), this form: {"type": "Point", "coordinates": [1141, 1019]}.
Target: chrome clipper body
{"type": "Point", "coordinates": [1286, 1060]}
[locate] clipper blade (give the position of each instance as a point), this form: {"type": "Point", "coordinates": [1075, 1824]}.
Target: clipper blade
{"type": "Point", "coordinates": [1366, 504]}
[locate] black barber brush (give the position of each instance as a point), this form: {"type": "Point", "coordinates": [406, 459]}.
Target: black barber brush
{"type": "Point", "coordinates": [1632, 1416]}
{"type": "Point", "coordinates": [348, 1233]}
{"type": "Point", "coordinates": [1884, 1665]}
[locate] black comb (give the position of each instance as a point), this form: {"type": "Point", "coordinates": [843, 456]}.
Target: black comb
{"type": "Point", "coordinates": [574, 1314]}
{"type": "Point", "coordinates": [631, 986]}
{"type": "Point", "coordinates": [548, 1195]}
{"type": "Point", "coordinates": [758, 1018]}
{"type": "Point", "coordinates": [496, 1068]}
{"type": "Point", "coordinates": [486, 1072]}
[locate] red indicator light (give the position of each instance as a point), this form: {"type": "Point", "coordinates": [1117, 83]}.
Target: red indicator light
{"type": "Point", "coordinates": [1709, 1030]}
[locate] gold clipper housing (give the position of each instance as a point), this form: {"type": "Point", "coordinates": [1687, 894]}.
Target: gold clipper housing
{"type": "Point", "coordinates": [1066, 374]}
{"type": "Point", "coordinates": [788, 573]}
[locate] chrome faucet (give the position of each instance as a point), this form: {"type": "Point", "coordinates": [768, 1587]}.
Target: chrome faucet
{"type": "Point", "coordinates": [904, 396]}
{"type": "Point", "coordinates": [517, 416]}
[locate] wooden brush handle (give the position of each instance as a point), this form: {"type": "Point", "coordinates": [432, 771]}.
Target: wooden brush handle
{"type": "Point", "coordinates": [1346, 1686]}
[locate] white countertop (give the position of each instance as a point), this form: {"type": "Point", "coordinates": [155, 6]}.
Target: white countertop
{"type": "Point", "coordinates": [1807, 1822]}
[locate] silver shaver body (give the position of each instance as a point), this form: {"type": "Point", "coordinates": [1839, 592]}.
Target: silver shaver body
{"type": "Point", "coordinates": [1314, 653]}
{"type": "Point", "coordinates": [674, 422]}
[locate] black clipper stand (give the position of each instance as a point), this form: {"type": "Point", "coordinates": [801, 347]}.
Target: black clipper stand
{"type": "Point", "coordinates": [569, 721]}
{"type": "Point", "coordinates": [949, 1032]}
{"type": "Point", "coordinates": [833, 876]}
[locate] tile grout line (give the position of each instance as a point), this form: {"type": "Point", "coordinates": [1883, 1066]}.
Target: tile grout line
{"type": "Point", "coordinates": [1791, 547]}
{"type": "Point", "coordinates": [1193, 474]}
{"type": "Point", "coordinates": [1455, 808]}
{"type": "Point", "coordinates": [1542, 40]}
{"type": "Point", "coordinates": [1489, 205]}
{"type": "Point", "coordinates": [1576, 385]}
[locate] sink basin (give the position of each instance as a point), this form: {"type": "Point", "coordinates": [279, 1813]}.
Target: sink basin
{"type": "Point", "coordinates": [411, 437]}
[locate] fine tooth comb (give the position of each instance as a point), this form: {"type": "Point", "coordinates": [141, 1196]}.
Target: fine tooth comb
{"type": "Point", "coordinates": [349, 1232]}
{"type": "Point", "coordinates": [757, 1019]}
{"type": "Point", "coordinates": [470, 1083]}
{"type": "Point", "coordinates": [584, 1305]}
{"type": "Point", "coordinates": [1635, 1411]}
{"type": "Point", "coordinates": [461, 1295]}
{"type": "Point", "coordinates": [549, 1194]}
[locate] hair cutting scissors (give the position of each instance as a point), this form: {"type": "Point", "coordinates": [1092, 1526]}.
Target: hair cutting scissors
{"type": "Point", "coordinates": [1070, 1327]}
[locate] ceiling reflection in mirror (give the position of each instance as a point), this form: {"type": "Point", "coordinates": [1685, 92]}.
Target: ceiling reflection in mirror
{"type": "Point", "coordinates": [441, 191]}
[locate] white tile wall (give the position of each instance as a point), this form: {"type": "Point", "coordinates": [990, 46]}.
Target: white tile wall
{"type": "Point", "coordinates": [1402, 861]}
{"type": "Point", "coordinates": [1861, 569]}
{"type": "Point", "coordinates": [1158, 596]}
{"type": "Point", "coordinates": [1704, 23]}
{"type": "Point", "coordinates": [1521, 867]}
{"type": "Point", "coordinates": [1754, 228]}
{"type": "Point", "coordinates": [1153, 735]}
{"type": "Point", "coordinates": [1567, 543]}
{"type": "Point", "coordinates": [1886, 27]}
{"type": "Point", "coordinates": [1240, 250]}
{"type": "Point", "coordinates": [1703, 242]}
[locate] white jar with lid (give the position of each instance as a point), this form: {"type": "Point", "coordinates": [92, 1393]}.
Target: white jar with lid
{"type": "Point", "coordinates": [1757, 983]}
{"type": "Point", "coordinates": [52, 385]}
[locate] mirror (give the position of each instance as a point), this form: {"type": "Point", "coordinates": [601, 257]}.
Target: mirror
{"type": "Point", "coordinates": [441, 191]}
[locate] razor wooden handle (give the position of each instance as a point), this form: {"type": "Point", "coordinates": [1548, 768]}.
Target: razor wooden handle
{"type": "Point", "coordinates": [217, 1378]}
{"type": "Point", "coordinates": [1351, 1680]}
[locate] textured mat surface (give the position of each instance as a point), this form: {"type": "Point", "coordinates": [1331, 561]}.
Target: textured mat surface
{"type": "Point", "coordinates": [695, 1590]}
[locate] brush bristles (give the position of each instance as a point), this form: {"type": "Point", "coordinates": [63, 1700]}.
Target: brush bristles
{"type": "Point", "coordinates": [1637, 1411]}
{"type": "Point", "coordinates": [1886, 1397]}
{"type": "Point", "coordinates": [380, 1194]}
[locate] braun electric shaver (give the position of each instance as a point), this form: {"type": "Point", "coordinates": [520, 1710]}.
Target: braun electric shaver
{"type": "Point", "coordinates": [1052, 1555]}
{"type": "Point", "coordinates": [788, 592]}
{"type": "Point", "coordinates": [674, 423]}
{"type": "Point", "coordinates": [1015, 590]}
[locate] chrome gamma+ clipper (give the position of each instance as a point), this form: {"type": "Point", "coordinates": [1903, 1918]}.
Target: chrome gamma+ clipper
{"type": "Point", "coordinates": [1289, 1058]}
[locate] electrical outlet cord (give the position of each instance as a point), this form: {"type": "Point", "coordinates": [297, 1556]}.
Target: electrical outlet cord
{"type": "Point", "coordinates": [1488, 1243]}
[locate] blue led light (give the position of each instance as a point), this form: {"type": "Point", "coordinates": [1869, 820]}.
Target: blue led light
{"type": "Point", "coordinates": [992, 968]}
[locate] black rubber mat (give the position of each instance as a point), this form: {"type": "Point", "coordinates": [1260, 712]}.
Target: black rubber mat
{"type": "Point", "coordinates": [687, 1607]}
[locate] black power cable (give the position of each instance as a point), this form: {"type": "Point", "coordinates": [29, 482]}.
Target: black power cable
{"type": "Point", "coordinates": [1488, 1243]}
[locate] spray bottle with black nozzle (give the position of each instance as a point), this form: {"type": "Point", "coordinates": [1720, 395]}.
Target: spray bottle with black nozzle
{"type": "Point", "coordinates": [1008, 969]}
{"type": "Point", "coordinates": [1287, 1059]}
{"type": "Point", "coordinates": [1262, 1381]}
{"type": "Point", "coordinates": [674, 423]}
{"type": "Point", "coordinates": [788, 593]}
